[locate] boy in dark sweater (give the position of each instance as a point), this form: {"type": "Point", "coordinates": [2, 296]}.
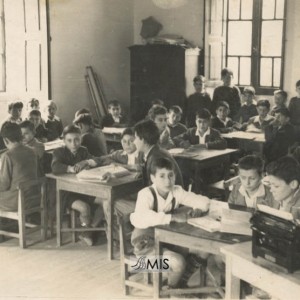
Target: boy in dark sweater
{"type": "Point", "coordinates": [174, 117]}
{"type": "Point", "coordinates": [199, 100]}
{"type": "Point", "coordinates": [280, 99]}
{"type": "Point", "coordinates": [294, 108]}
{"type": "Point", "coordinates": [114, 117]}
{"type": "Point", "coordinates": [53, 123]}
{"type": "Point", "coordinates": [41, 132]}
{"type": "Point", "coordinates": [227, 92]}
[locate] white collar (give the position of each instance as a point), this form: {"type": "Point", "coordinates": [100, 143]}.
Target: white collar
{"type": "Point", "coordinates": [55, 118]}
{"type": "Point", "coordinates": [207, 132]}
{"type": "Point", "coordinates": [224, 122]}
{"type": "Point", "coordinates": [257, 119]}
{"type": "Point", "coordinates": [161, 199]}
{"type": "Point", "coordinates": [260, 192]}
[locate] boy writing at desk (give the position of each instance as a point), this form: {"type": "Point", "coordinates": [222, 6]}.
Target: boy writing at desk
{"type": "Point", "coordinates": [156, 205]}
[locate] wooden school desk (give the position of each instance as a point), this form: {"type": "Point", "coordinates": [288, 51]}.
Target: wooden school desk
{"type": "Point", "coordinates": [110, 191]}
{"type": "Point", "coordinates": [185, 235]}
{"type": "Point", "coordinates": [259, 272]}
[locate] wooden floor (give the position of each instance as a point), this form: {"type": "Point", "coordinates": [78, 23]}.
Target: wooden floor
{"type": "Point", "coordinates": [74, 271]}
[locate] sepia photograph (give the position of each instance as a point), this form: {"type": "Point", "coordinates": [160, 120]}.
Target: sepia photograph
{"type": "Point", "coordinates": [149, 149]}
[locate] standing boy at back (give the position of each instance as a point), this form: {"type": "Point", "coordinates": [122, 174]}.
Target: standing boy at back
{"type": "Point", "coordinates": [199, 100]}
{"type": "Point", "coordinates": [15, 111]}
{"type": "Point", "coordinates": [227, 92]}
{"type": "Point", "coordinates": [53, 123]}
{"type": "Point", "coordinates": [294, 108]}
{"type": "Point", "coordinates": [280, 99]}
{"type": "Point", "coordinates": [174, 116]}
{"type": "Point", "coordinates": [114, 117]}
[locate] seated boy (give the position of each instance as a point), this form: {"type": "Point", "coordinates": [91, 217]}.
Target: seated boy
{"type": "Point", "coordinates": [157, 205]}
{"type": "Point", "coordinates": [129, 156]}
{"type": "Point", "coordinates": [294, 108]}
{"type": "Point", "coordinates": [158, 114]}
{"type": "Point", "coordinates": [92, 138]}
{"type": "Point", "coordinates": [284, 179]}
{"type": "Point", "coordinates": [199, 100]}
{"type": "Point", "coordinates": [227, 92]}
{"type": "Point", "coordinates": [41, 132]}
{"type": "Point", "coordinates": [280, 136]}
{"type": "Point", "coordinates": [53, 123]}
{"type": "Point", "coordinates": [280, 99]}
{"type": "Point", "coordinates": [250, 191]}
{"type": "Point", "coordinates": [28, 133]}
{"type": "Point", "coordinates": [72, 158]}
{"type": "Point", "coordinates": [114, 117]}
{"type": "Point", "coordinates": [15, 111]}
{"type": "Point", "coordinates": [202, 134]}
{"type": "Point", "coordinates": [221, 122]}
{"type": "Point", "coordinates": [18, 164]}
{"type": "Point", "coordinates": [262, 120]}
{"type": "Point", "coordinates": [174, 116]}
{"type": "Point", "coordinates": [248, 109]}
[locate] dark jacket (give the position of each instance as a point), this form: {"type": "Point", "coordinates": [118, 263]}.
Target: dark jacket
{"type": "Point", "coordinates": [216, 123]}
{"type": "Point", "coordinates": [213, 140]}
{"type": "Point", "coordinates": [108, 121]}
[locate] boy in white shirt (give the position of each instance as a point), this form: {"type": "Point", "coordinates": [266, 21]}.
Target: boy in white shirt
{"type": "Point", "coordinates": [158, 205]}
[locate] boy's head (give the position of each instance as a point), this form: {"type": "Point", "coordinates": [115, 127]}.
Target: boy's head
{"type": "Point", "coordinates": [222, 110]}
{"type": "Point", "coordinates": [114, 108]}
{"type": "Point", "coordinates": [226, 76]}
{"type": "Point", "coordinates": [15, 109]}
{"type": "Point", "coordinates": [298, 88]}
{"type": "Point", "coordinates": [127, 141]}
{"type": "Point", "coordinates": [158, 114]}
{"type": "Point", "coordinates": [249, 94]}
{"type": "Point", "coordinates": [72, 135]}
{"type": "Point", "coordinates": [203, 117]}
{"type": "Point", "coordinates": [282, 115]}
{"type": "Point", "coordinates": [284, 177]}
{"type": "Point", "coordinates": [28, 131]}
{"type": "Point", "coordinates": [199, 83]}
{"type": "Point", "coordinates": [263, 108]}
{"type": "Point", "coordinates": [34, 104]}
{"type": "Point", "coordinates": [157, 102]}
{"type": "Point", "coordinates": [11, 134]}
{"type": "Point", "coordinates": [162, 174]}
{"type": "Point", "coordinates": [250, 172]}
{"type": "Point", "coordinates": [280, 97]}
{"type": "Point", "coordinates": [83, 121]}
{"type": "Point", "coordinates": [82, 111]}
{"type": "Point", "coordinates": [174, 115]}
{"type": "Point", "coordinates": [146, 135]}
{"type": "Point", "coordinates": [52, 109]}
{"type": "Point", "coordinates": [35, 117]}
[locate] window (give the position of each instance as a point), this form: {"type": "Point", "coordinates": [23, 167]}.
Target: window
{"type": "Point", "coordinates": [254, 46]}
{"type": "Point", "coordinates": [2, 49]}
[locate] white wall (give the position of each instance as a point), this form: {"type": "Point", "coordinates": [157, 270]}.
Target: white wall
{"type": "Point", "coordinates": [89, 32]}
{"type": "Point", "coordinates": [186, 20]}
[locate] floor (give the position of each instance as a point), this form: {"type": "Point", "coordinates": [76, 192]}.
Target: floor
{"type": "Point", "coordinates": [74, 271]}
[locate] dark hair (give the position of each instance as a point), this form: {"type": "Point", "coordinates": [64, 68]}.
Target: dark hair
{"type": "Point", "coordinates": [264, 103]}
{"type": "Point", "coordinates": [84, 119]}
{"type": "Point", "coordinates": [17, 104]}
{"type": "Point", "coordinates": [11, 131]}
{"type": "Point", "coordinates": [282, 93]}
{"type": "Point", "coordinates": [298, 83]}
{"type": "Point", "coordinates": [176, 109]}
{"type": "Point", "coordinates": [148, 131]}
{"type": "Point", "coordinates": [251, 162]}
{"type": "Point", "coordinates": [82, 111]}
{"type": "Point", "coordinates": [199, 78]}
{"type": "Point", "coordinates": [156, 110]}
{"type": "Point", "coordinates": [29, 125]}
{"type": "Point", "coordinates": [113, 103]}
{"type": "Point", "coordinates": [127, 131]}
{"type": "Point", "coordinates": [286, 168]}
{"type": "Point", "coordinates": [226, 71]}
{"type": "Point", "coordinates": [71, 129]}
{"type": "Point", "coordinates": [157, 102]}
{"type": "Point", "coordinates": [203, 114]}
{"type": "Point", "coordinates": [161, 163]}
{"type": "Point", "coordinates": [35, 112]}
{"type": "Point", "coordinates": [222, 104]}
{"type": "Point", "coordinates": [249, 90]}
{"type": "Point", "coordinates": [284, 111]}
{"type": "Point", "coordinates": [34, 102]}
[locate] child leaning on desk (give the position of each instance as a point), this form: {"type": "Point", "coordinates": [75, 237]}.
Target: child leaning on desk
{"type": "Point", "coordinates": [158, 205]}
{"type": "Point", "coordinates": [72, 158]}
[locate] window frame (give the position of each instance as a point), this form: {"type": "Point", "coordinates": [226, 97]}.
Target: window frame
{"type": "Point", "coordinates": [256, 56]}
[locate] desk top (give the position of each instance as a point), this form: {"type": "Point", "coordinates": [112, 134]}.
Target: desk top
{"type": "Point", "coordinates": [189, 230]}
{"type": "Point", "coordinates": [202, 154]}
{"type": "Point", "coordinates": [242, 135]}
{"type": "Point", "coordinates": [71, 178]}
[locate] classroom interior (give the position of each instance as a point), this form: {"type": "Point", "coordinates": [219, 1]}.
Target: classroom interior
{"type": "Point", "coordinates": [75, 34]}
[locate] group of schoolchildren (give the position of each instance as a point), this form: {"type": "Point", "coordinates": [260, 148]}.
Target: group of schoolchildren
{"type": "Point", "coordinates": [145, 150]}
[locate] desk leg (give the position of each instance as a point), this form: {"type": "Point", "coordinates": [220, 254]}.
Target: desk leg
{"type": "Point", "coordinates": [109, 228]}
{"type": "Point", "coordinates": [157, 276]}
{"type": "Point", "coordinates": [58, 217]}
{"type": "Point", "coordinates": [232, 283]}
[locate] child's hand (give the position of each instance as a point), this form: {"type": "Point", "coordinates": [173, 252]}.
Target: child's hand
{"type": "Point", "coordinates": [196, 213]}
{"type": "Point", "coordinates": [106, 177]}
{"type": "Point", "coordinates": [81, 166]}
{"type": "Point", "coordinates": [181, 217]}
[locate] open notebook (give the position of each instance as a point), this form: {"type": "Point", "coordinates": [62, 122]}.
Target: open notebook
{"type": "Point", "coordinates": [100, 174]}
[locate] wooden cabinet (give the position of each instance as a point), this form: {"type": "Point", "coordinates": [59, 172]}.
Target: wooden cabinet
{"type": "Point", "coordinates": [163, 72]}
